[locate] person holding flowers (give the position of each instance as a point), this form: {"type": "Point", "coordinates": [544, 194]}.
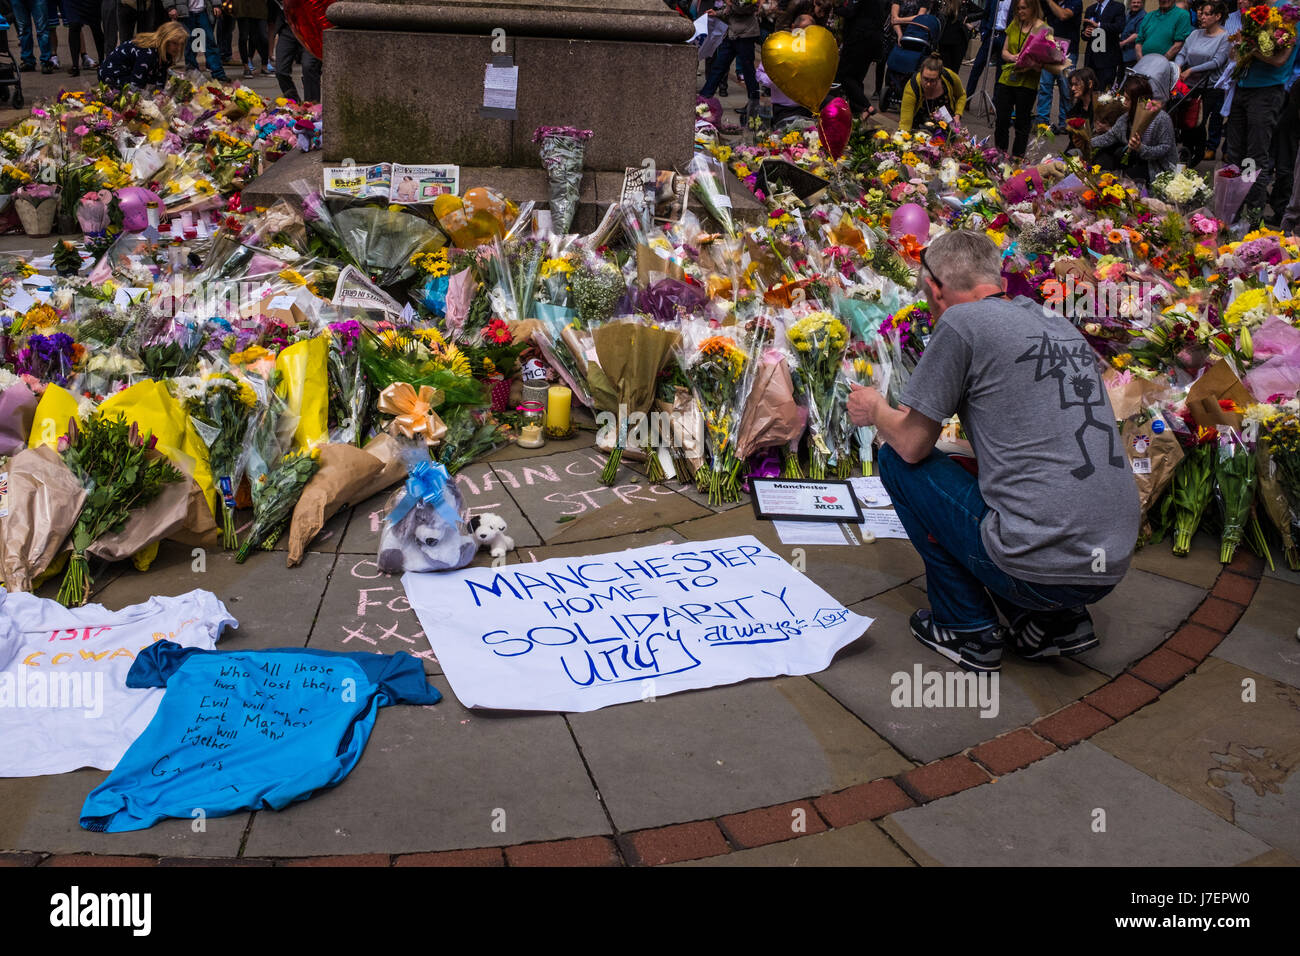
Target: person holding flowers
{"type": "Point", "coordinates": [1049, 525]}
{"type": "Point", "coordinates": [1017, 88]}
{"type": "Point", "coordinates": [1145, 132]}
{"type": "Point", "coordinates": [1266, 55]}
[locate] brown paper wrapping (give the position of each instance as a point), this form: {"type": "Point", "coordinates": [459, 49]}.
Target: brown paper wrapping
{"type": "Point", "coordinates": [1273, 496]}
{"type": "Point", "coordinates": [392, 468]}
{"type": "Point", "coordinates": [648, 261]}
{"type": "Point", "coordinates": [687, 425]}
{"type": "Point", "coordinates": [44, 501]}
{"type": "Point", "coordinates": [199, 529]}
{"type": "Point", "coordinates": [1161, 452]}
{"type": "Point", "coordinates": [1131, 397]}
{"type": "Point", "coordinates": [345, 471]}
{"type": "Point", "coordinates": [1218, 382]}
{"type": "Point", "coordinates": [771, 417]}
{"type": "Point", "coordinates": [159, 519]}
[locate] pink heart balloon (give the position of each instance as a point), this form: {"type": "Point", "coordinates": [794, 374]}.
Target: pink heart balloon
{"type": "Point", "coordinates": [133, 201]}
{"type": "Point", "coordinates": [910, 219]}
{"type": "Point", "coordinates": [834, 126]}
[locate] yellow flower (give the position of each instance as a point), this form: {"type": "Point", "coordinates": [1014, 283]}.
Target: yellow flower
{"type": "Point", "coordinates": [888, 176]}
{"type": "Point", "coordinates": [290, 275]}
{"type": "Point", "coordinates": [254, 353]}
{"type": "Point", "coordinates": [41, 317]}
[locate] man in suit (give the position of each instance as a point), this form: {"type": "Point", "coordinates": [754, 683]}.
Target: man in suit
{"type": "Point", "coordinates": [1102, 25]}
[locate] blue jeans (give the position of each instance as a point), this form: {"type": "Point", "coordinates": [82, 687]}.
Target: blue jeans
{"type": "Point", "coordinates": [740, 49]}
{"type": "Point", "coordinates": [212, 52]}
{"type": "Point", "coordinates": [1046, 83]}
{"type": "Point", "coordinates": [940, 505]}
{"type": "Point", "coordinates": [27, 12]}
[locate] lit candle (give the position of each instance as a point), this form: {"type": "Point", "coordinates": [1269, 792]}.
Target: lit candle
{"type": "Point", "coordinates": [557, 409]}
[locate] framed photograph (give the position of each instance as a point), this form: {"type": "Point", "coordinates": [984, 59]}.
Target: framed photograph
{"type": "Point", "coordinates": [784, 499]}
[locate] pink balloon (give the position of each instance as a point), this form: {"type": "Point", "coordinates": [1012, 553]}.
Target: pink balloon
{"type": "Point", "coordinates": [133, 201]}
{"type": "Point", "coordinates": [910, 220]}
{"type": "Point", "coordinates": [834, 126]}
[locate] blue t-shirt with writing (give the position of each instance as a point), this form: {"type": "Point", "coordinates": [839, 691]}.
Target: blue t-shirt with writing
{"type": "Point", "coordinates": [247, 730]}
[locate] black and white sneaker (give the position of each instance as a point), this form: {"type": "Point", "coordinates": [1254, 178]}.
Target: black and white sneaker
{"type": "Point", "coordinates": [971, 650]}
{"type": "Point", "coordinates": [1036, 636]}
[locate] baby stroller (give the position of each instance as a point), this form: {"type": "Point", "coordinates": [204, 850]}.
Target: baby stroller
{"type": "Point", "coordinates": [1188, 109]}
{"type": "Point", "coordinates": [920, 38]}
{"type": "Point", "coordinates": [9, 75]}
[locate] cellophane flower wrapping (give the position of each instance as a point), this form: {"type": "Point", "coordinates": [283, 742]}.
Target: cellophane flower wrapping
{"type": "Point", "coordinates": [1235, 482]}
{"type": "Point", "coordinates": [719, 366]}
{"type": "Point", "coordinates": [818, 340]}
{"type": "Point", "coordinates": [562, 149]}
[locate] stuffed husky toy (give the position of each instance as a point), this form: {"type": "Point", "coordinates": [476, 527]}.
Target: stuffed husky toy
{"type": "Point", "coordinates": [423, 540]}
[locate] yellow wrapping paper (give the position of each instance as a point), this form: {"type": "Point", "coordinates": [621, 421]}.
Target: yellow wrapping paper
{"type": "Point", "coordinates": [153, 409]}
{"type": "Point", "coordinates": [50, 422]}
{"type": "Point", "coordinates": [306, 378]}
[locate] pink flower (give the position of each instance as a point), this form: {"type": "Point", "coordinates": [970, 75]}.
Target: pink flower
{"type": "Point", "coordinates": [81, 130]}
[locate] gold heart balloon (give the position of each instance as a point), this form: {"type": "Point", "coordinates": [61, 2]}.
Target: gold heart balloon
{"type": "Point", "coordinates": [480, 216]}
{"type": "Point", "coordinates": [802, 64]}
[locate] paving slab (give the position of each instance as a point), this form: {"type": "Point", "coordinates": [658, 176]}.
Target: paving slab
{"type": "Point", "coordinates": [1137, 617]}
{"type": "Point", "coordinates": [1201, 567]}
{"type": "Point", "coordinates": [726, 749]}
{"type": "Point", "coordinates": [1240, 759]}
{"type": "Point", "coordinates": [366, 610]}
{"type": "Point", "coordinates": [563, 497]}
{"type": "Point", "coordinates": [439, 778]}
{"type": "Point", "coordinates": [582, 439]}
{"type": "Point", "coordinates": [1045, 815]}
{"type": "Point", "coordinates": [42, 813]}
{"type": "Point", "coordinates": [848, 573]}
{"type": "Point", "coordinates": [1265, 639]}
{"type": "Point", "coordinates": [1280, 571]}
{"type": "Point", "coordinates": [275, 605]}
{"type": "Point", "coordinates": [327, 540]}
{"type": "Point", "coordinates": [863, 844]}
{"type": "Point", "coordinates": [578, 549]}
{"type": "Point", "coordinates": [702, 497]}
{"type": "Point", "coordinates": [863, 678]}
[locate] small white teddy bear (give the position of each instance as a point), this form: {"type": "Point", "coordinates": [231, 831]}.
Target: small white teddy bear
{"type": "Point", "coordinates": [489, 530]}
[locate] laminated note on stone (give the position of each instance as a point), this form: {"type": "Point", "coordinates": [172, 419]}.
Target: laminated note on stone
{"type": "Point", "coordinates": [581, 633]}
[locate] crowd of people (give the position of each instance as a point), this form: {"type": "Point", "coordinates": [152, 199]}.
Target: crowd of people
{"type": "Point", "coordinates": [1117, 53]}
{"type": "Point", "coordinates": [133, 43]}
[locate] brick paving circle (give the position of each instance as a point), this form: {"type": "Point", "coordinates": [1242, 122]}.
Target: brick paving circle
{"type": "Point", "coordinates": [1141, 684]}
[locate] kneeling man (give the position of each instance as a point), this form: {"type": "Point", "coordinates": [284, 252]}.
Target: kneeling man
{"type": "Point", "coordinates": [1050, 524]}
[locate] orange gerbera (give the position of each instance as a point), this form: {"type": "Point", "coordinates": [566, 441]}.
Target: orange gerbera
{"type": "Point", "coordinates": [717, 344]}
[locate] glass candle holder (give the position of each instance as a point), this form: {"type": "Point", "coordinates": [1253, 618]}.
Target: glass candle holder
{"type": "Point", "coordinates": [530, 429]}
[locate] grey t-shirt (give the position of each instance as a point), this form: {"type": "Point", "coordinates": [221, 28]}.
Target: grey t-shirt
{"type": "Point", "coordinates": [1027, 387]}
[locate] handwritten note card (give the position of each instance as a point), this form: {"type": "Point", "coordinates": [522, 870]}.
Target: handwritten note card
{"type": "Point", "coordinates": [578, 634]}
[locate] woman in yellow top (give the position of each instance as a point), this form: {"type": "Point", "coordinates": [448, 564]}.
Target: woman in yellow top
{"type": "Point", "coordinates": [1017, 90]}
{"type": "Point", "coordinates": [934, 87]}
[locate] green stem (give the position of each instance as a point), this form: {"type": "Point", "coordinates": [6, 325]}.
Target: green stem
{"type": "Point", "coordinates": [75, 589]}
{"type": "Point", "coordinates": [654, 469]}
{"type": "Point", "coordinates": [229, 540]}
{"type": "Point", "coordinates": [610, 472]}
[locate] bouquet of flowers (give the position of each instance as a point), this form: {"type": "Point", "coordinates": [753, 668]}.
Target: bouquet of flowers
{"type": "Point", "coordinates": [866, 368]}
{"type": "Point", "coordinates": [819, 340]}
{"type": "Point", "coordinates": [220, 406]}
{"type": "Point", "coordinates": [719, 371]}
{"type": "Point", "coordinates": [1147, 111]}
{"type": "Point", "coordinates": [562, 149]}
{"type": "Point", "coordinates": [275, 492]}
{"type": "Point", "coordinates": [1280, 438]}
{"type": "Point", "coordinates": [1265, 30]}
{"type": "Point", "coordinates": [1183, 186]}
{"type": "Point", "coordinates": [114, 463]}
{"type": "Point", "coordinates": [631, 354]}
{"type": "Point", "coordinates": [709, 184]}
{"type": "Point", "coordinates": [1192, 486]}
{"type": "Point", "coordinates": [598, 287]}
{"type": "Point", "coordinates": [348, 392]}
{"type": "Point", "coordinates": [1235, 481]}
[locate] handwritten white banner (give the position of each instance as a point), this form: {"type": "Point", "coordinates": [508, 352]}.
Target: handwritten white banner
{"type": "Point", "coordinates": [578, 634]}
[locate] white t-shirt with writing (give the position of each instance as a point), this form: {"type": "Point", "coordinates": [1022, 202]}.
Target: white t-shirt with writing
{"type": "Point", "coordinates": [64, 703]}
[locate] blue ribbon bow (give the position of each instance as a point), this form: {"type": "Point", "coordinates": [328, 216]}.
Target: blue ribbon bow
{"type": "Point", "coordinates": [427, 483]}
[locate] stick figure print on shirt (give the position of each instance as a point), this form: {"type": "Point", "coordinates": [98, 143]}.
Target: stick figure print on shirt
{"type": "Point", "coordinates": [1074, 366]}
